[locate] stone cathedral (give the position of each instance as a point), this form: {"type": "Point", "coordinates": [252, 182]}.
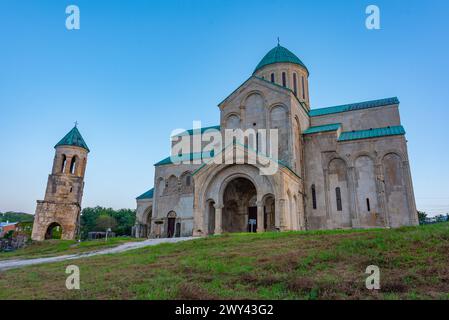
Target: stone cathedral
{"type": "Point", "coordinates": [61, 207]}
{"type": "Point", "coordinates": [340, 167]}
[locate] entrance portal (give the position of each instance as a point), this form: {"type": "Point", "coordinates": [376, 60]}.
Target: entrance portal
{"type": "Point", "coordinates": [54, 231]}
{"type": "Point", "coordinates": [240, 210]}
{"type": "Point", "coordinates": [171, 222]}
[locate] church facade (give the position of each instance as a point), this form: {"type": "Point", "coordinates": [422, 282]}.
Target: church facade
{"type": "Point", "coordinates": [339, 167]}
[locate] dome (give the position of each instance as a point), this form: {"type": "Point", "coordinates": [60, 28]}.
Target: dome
{"type": "Point", "coordinates": [279, 54]}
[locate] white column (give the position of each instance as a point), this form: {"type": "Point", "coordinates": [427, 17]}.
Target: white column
{"type": "Point", "coordinates": [260, 222]}
{"type": "Point", "coordinates": [218, 219]}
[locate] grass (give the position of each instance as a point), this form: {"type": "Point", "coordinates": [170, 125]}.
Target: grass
{"type": "Point", "coordinates": [413, 261]}
{"type": "Point", "coordinates": [52, 248]}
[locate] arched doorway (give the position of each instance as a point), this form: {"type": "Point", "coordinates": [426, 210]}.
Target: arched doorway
{"type": "Point", "coordinates": [146, 232]}
{"type": "Point", "coordinates": [171, 223]}
{"type": "Point", "coordinates": [269, 213]}
{"type": "Point", "coordinates": [211, 217]}
{"type": "Point", "coordinates": [54, 231]}
{"type": "Point", "coordinates": [240, 210]}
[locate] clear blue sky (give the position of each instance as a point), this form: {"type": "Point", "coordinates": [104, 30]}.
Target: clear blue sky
{"type": "Point", "coordinates": [139, 69]}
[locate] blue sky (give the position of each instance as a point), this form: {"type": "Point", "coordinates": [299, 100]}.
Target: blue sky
{"type": "Point", "coordinates": [136, 70]}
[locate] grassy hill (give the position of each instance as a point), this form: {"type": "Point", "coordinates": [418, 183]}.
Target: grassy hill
{"type": "Point", "coordinates": [414, 264]}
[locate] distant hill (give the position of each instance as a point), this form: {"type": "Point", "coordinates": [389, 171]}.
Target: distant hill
{"type": "Point", "coordinates": [16, 217]}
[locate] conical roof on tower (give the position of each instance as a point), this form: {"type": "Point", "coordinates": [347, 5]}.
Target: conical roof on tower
{"type": "Point", "coordinates": [73, 138]}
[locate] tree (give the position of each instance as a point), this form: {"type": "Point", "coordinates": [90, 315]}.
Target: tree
{"type": "Point", "coordinates": [125, 219]}
{"type": "Point", "coordinates": [9, 234]}
{"type": "Point", "coordinates": [16, 217]}
{"type": "Point", "coordinates": [422, 216]}
{"type": "Point", "coordinates": [105, 222]}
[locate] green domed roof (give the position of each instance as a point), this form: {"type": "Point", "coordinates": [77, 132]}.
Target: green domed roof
{"type": "Point", "coordinates": [73, 138]}
{"type": "Point", "coordinates": [279, 54]}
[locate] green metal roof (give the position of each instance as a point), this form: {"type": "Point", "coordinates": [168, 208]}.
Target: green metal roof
{"type": "Point", "coordinates": [323, 128]}
{"type": "Point", "coordinates": [188, 157]}
{"type": "Point", "coordinates": [146, 195]}
{"type": "Point", "coordinates": [279, 54]}
{"type": "Point", "coordinates": [353, 106]}
{"type": "Point", "coordinates": [73, 138]}
{"type": "Point", "coordinates": [372, 133]}
{"type": "Point", "coordinates": [190, 132]}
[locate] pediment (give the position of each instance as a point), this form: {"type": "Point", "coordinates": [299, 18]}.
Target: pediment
{"type": "Point", "coordinates": [253, 84]}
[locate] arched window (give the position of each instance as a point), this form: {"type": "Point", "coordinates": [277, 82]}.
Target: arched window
{"type": "Point", "coordinates": [272, 77]}
{"type": "Point", "coordinates": [160, 187]}
{"type": "Point", "coordinates": [257, 141]}
{"type": "Point", "coordinates": [171, 185]}
{"type": "Point", "coordinates": [338, 197]}
{"type": "Point", "coordinates": [64, 161]}
{"type": "Point", "coordinates": [284, 79]}
{"type": "Point", "coordinates": [186, 181]}
{"type": "Point", "coordinates": [233, 122]}
{"type": "Point", "coordinates": [313, 196]}
{"type": "Point", "coordinates": [73, 165]}
{"type": "Point", "coordinates": [295, 84]}
{"type": "Point", "coordinates": [303, 88]}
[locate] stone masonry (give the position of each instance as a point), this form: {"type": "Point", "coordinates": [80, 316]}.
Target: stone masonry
{"type": "Point", "coordinates": [62, 204]}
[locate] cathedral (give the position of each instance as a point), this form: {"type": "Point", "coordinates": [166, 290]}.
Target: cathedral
{"type": "Point", "coordinates": [339, 167]}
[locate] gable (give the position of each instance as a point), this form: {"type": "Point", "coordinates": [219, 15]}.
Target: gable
{"type": "Point", "coordinates": [258, 83]}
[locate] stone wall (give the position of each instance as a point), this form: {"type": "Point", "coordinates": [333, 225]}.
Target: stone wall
{"type": "Point", "coordinates": [62, 203]}
{"type": "Point", "coordinates": [64, 214]}
{"type": "Point", "coordinates": [374, 180]}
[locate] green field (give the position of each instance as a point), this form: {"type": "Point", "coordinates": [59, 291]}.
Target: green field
{"type": "Point", "coordinates": [51, 248]}
{"type": "Point", "coordinates": [414, 264]}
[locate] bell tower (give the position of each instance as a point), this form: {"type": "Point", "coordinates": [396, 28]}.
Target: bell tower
{"type": "Point", "coordinates": [59, 212]}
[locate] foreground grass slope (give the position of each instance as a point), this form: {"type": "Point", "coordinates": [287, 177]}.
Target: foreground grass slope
{"type": "Point", "coordinates": [414, 264]}
{"type": "Point", "coordinates": [53, 248]}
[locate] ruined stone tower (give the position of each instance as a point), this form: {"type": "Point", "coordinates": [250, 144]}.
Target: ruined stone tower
{"type": "Point", "coordinates": [60, 210]}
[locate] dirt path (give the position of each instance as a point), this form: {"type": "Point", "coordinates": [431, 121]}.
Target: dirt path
{"type": "Point", "coordinates": [12, 264]}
